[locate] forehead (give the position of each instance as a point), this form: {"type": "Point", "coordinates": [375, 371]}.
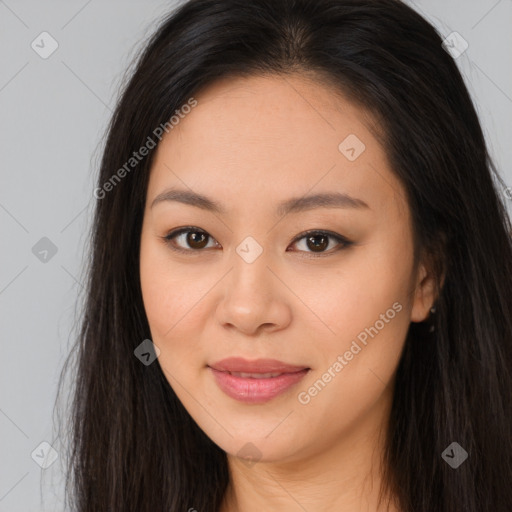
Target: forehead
{"type": "Point", "coordinates": [270, 138]}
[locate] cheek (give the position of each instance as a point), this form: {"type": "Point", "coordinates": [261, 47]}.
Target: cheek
{"type": "Point", "coordinates": [366, 306]}
{"type": "Point", "coordinates": [158, 292]}
{"type": "Point", "coordinates": [174, 298]}
{"type": "Point", "coordinates": [353, 294]}
{"type": "Point", "coordinates": [168, 293]}
{"type": "Point", "coordinates": [365, 303]}
{"type": "Point", "coordinates": [168, 303]}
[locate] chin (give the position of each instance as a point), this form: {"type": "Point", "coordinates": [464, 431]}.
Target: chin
{"type": "Point", "coordinates": [258, 441]}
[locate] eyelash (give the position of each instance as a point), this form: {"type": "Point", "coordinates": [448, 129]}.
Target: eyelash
{"type": "Point", "coordinates": [344, 243]}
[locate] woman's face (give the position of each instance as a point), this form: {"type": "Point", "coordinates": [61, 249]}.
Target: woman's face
{"type": "Point", "coordinates": [250, 284]}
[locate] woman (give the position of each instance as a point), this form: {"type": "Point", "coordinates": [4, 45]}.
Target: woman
{"type": "Point", "coordinates": [299, 291]}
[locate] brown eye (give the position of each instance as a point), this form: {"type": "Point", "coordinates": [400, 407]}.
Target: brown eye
{"type": "Point", "coordinates": [193, 240]}
{"type": "Point", "coordinates": [196, 240]}
{"type": "Point", "coordinates": [188, 239]}
{"type": "Point", "coordinates": [318, 241]}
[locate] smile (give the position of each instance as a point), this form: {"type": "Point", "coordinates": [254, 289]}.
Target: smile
{"type": "Point", "coordinates": [261, 381]}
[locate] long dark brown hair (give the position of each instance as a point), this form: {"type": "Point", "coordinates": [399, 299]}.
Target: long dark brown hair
{"type": "Point", "coordinates": [132, 445]}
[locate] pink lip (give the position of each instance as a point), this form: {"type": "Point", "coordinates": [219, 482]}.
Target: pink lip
{"type": "Point", "coordinates": [239, 364]}
{"type": "Point", "coordinates": [253, 390]}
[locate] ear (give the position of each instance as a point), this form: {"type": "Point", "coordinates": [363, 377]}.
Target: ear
{"type": "Point", "coordinates": [424, 295]}
{"type": "Point", "coordinates": [430, 278]}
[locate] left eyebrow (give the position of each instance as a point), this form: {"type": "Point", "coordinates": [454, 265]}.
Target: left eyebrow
{"type": "Point", "coordinates": [293, 205]}
{"type": "Point", "coordinates": [326, 200]}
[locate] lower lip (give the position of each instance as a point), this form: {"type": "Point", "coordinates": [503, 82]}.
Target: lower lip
{"type": "Point", "coordinates": [256, 391]}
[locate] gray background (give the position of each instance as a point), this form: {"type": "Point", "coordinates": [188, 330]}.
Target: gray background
{"type": "Point", "coordinates": [53, 115]}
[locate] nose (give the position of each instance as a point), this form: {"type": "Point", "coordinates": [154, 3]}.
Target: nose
{"type": "Point", "coordinates": [253, 298]}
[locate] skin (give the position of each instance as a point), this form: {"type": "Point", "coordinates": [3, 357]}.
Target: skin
{"type": "Point", "coordinates": [249, 144]}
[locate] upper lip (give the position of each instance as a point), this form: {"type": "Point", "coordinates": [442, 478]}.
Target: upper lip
{"type": "Point", "coordinates": [239, 364]}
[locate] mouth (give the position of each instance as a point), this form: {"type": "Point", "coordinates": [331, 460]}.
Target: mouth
{"type": "Point", "coordinates": [258, 381]}
{"type": "Point", "coordinates": [256, 375]}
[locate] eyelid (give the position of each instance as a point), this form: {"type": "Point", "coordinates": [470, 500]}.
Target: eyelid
{"type": "Point", "coordinates": [343, 242]}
